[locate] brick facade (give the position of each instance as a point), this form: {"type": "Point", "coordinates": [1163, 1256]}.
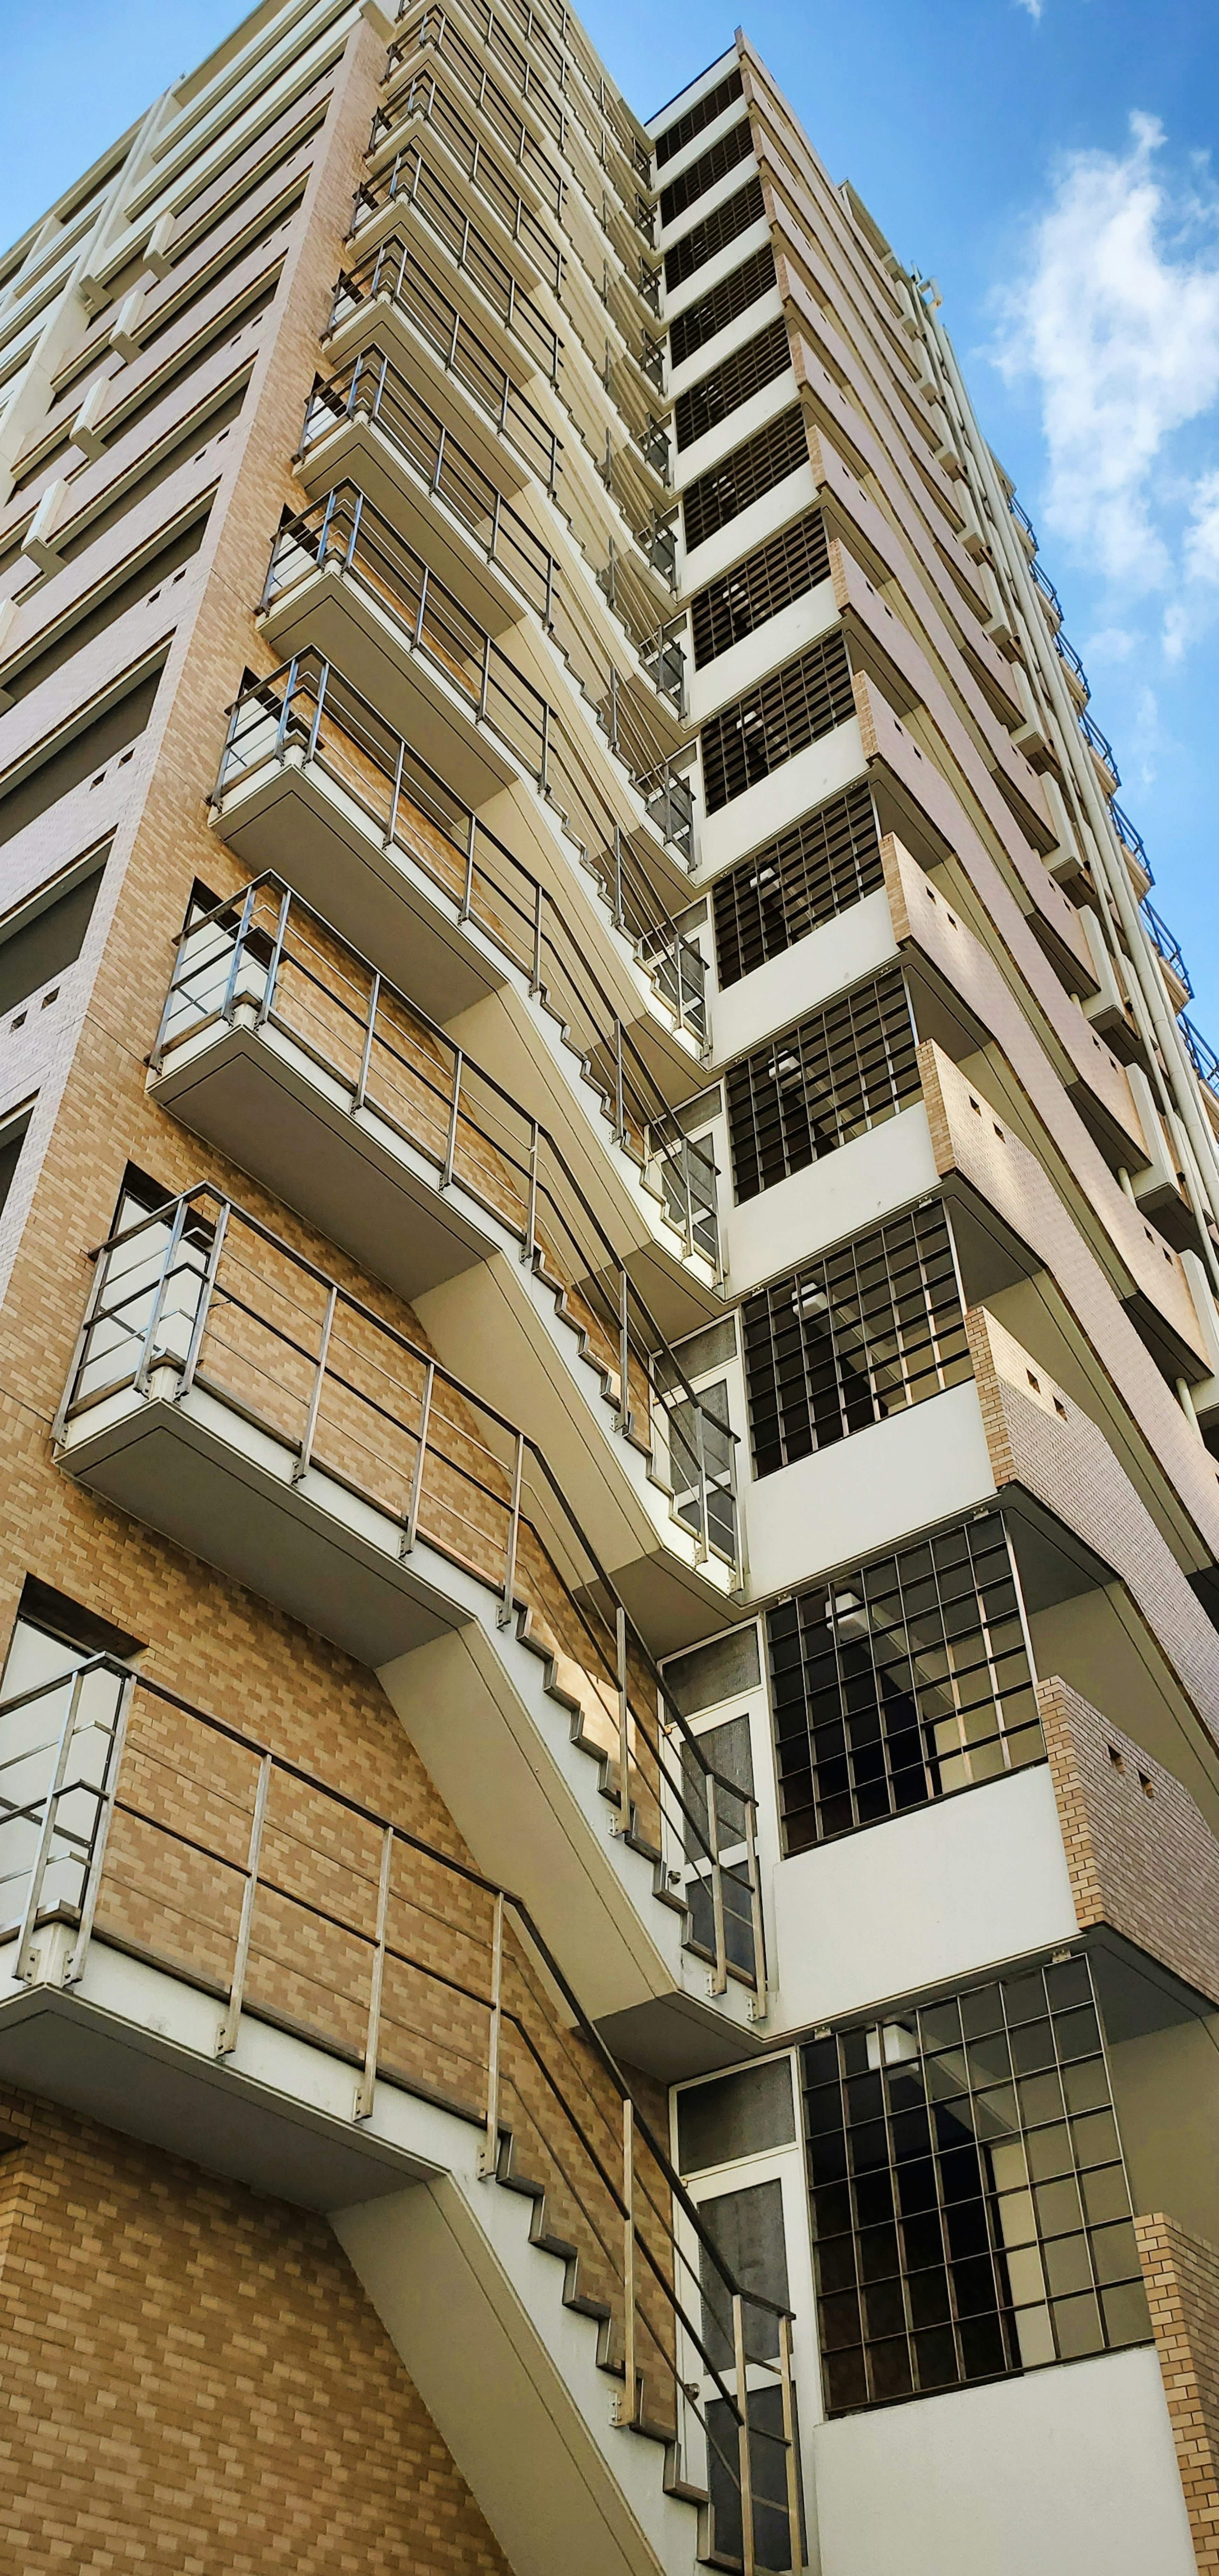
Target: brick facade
{"type": "Point", "coordinates": [193, 2379]}
{"type": "Point", "coordinates": [1182, 2277]}
{"type": "Point", "coordinates": [1141, 1856]}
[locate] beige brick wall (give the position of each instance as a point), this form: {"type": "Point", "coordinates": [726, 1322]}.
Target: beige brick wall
{"type": "Point", "coordinates": [1141, 1855]}
{"type": "Point", "coordinates": [191, 2378]}
{"type": "Point", "coordinates": [1182, 2277]}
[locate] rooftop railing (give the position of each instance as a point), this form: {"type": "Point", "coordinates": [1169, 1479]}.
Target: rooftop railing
{"type": "Point", "coordinates": [346, 532]}
{"type": "Point", "coordinates": [1165, 945]}
{"type": "Point", "coordinates": [1130, 839]}
{"type": "Point", "coordinates": [307, 710]}
{"type": "Point", "coordinates": [269, 953]}
{"type": "Point", "coordinates": [201, 1295]}
{"type": "Point", "coordinates": [1202, 1055]}
{"type": "Point", "coordinates": [146, 1822]}
{"type": "Point", "coordinates": [1098, 742]}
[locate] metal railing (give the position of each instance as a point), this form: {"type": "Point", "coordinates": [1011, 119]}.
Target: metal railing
{"type": "Point", "coordinates": [1165, 945]}
{"type": "Point", "coordinates": [1098, 742]}
{"type": "Point", "coordinates": [471, 73]}
{"type": "Point", "coordinates": [369, 385]}
{"type": "Point", "coordinates": [420, 190]}
{"type": "Point", "coordinates": [346, 532]}
{"type": "Point", "coordinates": [1202, 1055]}
{"type": "Point", "coordinates": [268, 958]}
{"type": "Point", "coordinates": [202, 1295]}
{"type": "Point", "coordinates": [146, 1823]}
{"type": "Point", "coordinates": [1022, 519]}
{"type": "Point", "coordinates": [1067, 653]}
{"type": "Point", "coordinates": [426, 98]}
{"type": "Point", "coordinates": [394, 271]}
{"type": "Point", "coordinates": [307, 711]}
{"type": "Point", "coordinates": [1044, 583]}
{"type": "Point", "coordinates": [1130, 839]}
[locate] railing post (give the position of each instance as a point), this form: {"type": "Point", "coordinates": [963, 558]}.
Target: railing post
{"type": "Point", "coordinates": [467, 892]}
{"type": "Point", "coordinates": [795, 2541]}
{"type": "Point", "coordinates": [101, 1835]}
{"type": "Point", "coordinates": [514, 1517]}
{"type": "Point", "coordinates": [619, 1086]}
{"type": "Point", "coordinates": [544, 780]}
{"type": "Point", "coordinates": [623, 1824]}
{"type": "Point", "coordinates": [425, 1417]}
{"type": "Point", "coordinates": [719, 1974]}
{"type": "Point", "coordinates": [535, 983]}
{"type": "Point", "coordinates": [227, 2036]}
{"type": "Point", "coordinates": [630, 2370]}
{"type": "Point", "coordinates": [422, 609]}
{"type": "Point", "coordinates": [488, 2159]}
{"type": "Point", "coordinates": [301, 1463]}
{"type": "Point", "coordinates": [700, 1442]}
{"type": "Point", "coordinates": [24, 1967]}
{"type": "Point", "coordinates": [619, 915]}
{"type": "Point", "coordinates": [243, 932]}
{"type": "Point", "coordinates": [140, 1380]}
{"type": "Point", "coordinates": [761, 1999]}
{"type": "Point", "coordinates": [374, 1000]}
{"type": "Point", "coordinates": [276, 959]}
{"type": "Point", "coordinates": [391, 832]}
{"type": "Point", "coordinates": [529, 1245]}
{"type": "Point", "coordinates": [367, 2086]}
{"type": "Point", "coordinates": [450, 1150]}
{"type": "Point", "coordinates": [203, 1309]}
{"type": "Point", "coordinates": [743, 2453]}
{"type": "Point", "coordinates": [625, 1416]}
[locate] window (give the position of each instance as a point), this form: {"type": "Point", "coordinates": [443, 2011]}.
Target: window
{"type": "Point", "coordinates": [712, 165]}
{"type": "Point", "coordinates": [755, 590]}
{"type": "Point", "coordinates": [899, 1682]}
{"type": "Point", "coordinates": [697, 118]}
{"type": "Point", "coordinates": [844, 1342]}
{"type": "Point", "coordinates": [733, 296]}
{"type": "Point", "coordinates": [51, 1640]}
{"type": "Point", "coordinates": [725, 224]}
{"type": "Point", "coordinates": [971, 2214]}
{"type": "Point", "coordinates": [751, 471]}
{"type": "Point", "coordinates": [817, 868]}
{"type": "Point", "coordinates": [728, 386]}
{"type": "Point", "coordinates": [837, 1074]}
{"type": "Point", "coordinates": [780, 717]}
{"type": "Point", "coordinates": [12, 1137]}
{"type": "Point", "coordinates": [45, 935]}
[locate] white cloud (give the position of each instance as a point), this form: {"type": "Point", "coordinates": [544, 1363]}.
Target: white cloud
{"type": "Point", "coordinates": [1034, 7]}
{"type": "Point", "coordinates": [1117, 321]}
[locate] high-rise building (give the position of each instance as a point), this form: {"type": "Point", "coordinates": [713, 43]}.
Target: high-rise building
{"type": "Point", "coordinates": [609, 1736]}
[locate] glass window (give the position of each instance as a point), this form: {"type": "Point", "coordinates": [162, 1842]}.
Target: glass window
{"type": "Point", "coordinates": [965, 2226]}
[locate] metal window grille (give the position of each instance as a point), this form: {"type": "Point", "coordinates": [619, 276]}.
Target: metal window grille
{"type": "Point", "coordinates": [843, 1342]}
{"type": "Point", "coordinates": [697, 118]}
{"type": "Point", "coordinates": [785, 712]}
{"type": "Point", "coordinates": [723, 225]}
{"type": "Point", "coordinates": [820, 867]}
{"type": "Point", "coordinates": [900, 1682]}
{"type": "Point", "coordinates": [730, 385]}
{"type": "Point", "coordinates": [835, 1075]}
{"type": "Point", "coordinates": [793, 562]}
{"type": "Point", "coordinates": [723, 156]}
{"type": "Point", "coordinates": [753, 469]}
{"type": "Point", "coordinates": [732, 297]}
{"type": "Point", "coordinates": [971, 2210]}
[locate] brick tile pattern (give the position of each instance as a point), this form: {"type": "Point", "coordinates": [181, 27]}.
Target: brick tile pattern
{"type": "Point", "coordinates": [1142, 1857]}
{"type": "Point", "coordinates": [1182, 2277]}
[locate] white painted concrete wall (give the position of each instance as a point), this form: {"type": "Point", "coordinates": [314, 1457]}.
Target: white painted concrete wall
{"type": "Point", "coordinates": [793, 789]}
{"type": "Point", "coordinates": [1068, 2472]}
{"type": "Point", "coordinates": [855, 943]}
{"type": "Point", "coordinates": [941, 1893]}
{"type": "Point", "coordinates": [777, 640]}
{"type": "Point", "coordinates": [885, 1169]}
{"type": "Point", "coordinates": [923, 1465]}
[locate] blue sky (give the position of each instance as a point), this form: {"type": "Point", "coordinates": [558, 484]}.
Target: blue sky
{"type": "Point", "coordinates": [1050, 163]}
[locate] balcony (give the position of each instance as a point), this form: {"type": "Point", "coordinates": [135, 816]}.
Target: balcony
{"type": "Point", "coordinates": [315, 783]}
{"type": "Point", "coordinates": [367, 423]}
{"type": "Point", "coordinates": [291, 1054]}
{"type": "Point", "coordinates": [343, 578]}
{"type": "Point", "coordinates": [229, 1394]}
{"type": "Point", "coordinates": [209, 1948]}
{"type": "Point", "coordinates": [391, 173]}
